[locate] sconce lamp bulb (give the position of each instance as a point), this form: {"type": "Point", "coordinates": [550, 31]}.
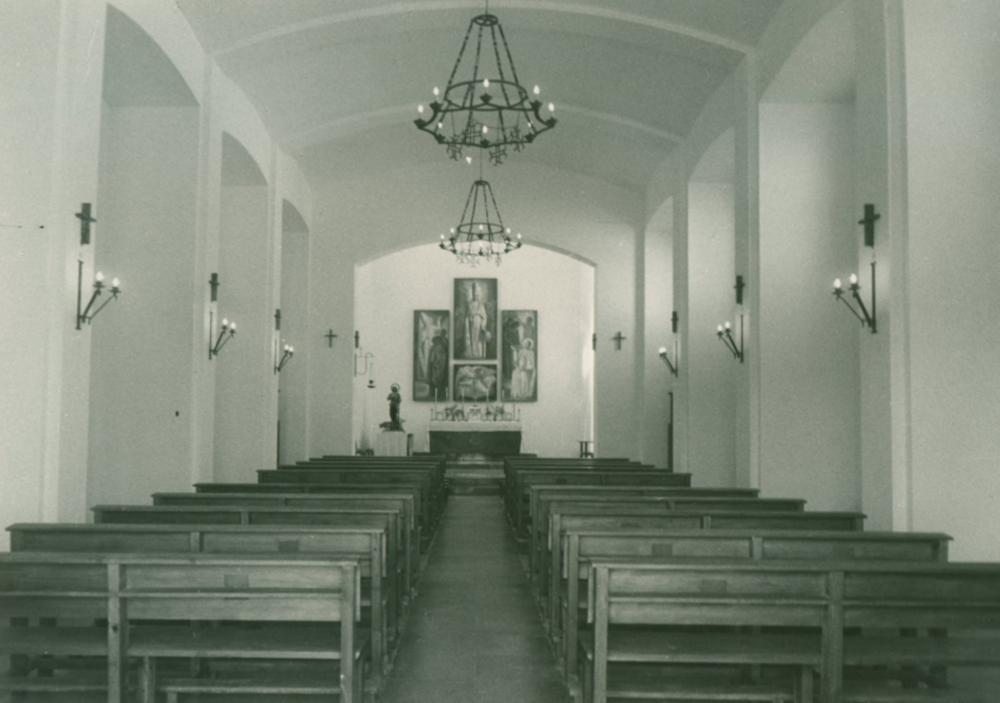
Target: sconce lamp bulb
{"type": "Point", "coordinates": [719, 329]}
{"type": "Point", "coordinates": [420, 109]}
{"type": "Point", "coordinates": [115, 283]}
{"type": "Point", "coordinates": [99, 277]}
{"type": "Point", "coordinates": [537, 90]}
{"type": "Point", "coordinates": [854, 279]}
{"type": "Point", "coordinates": [225, 323]}
{"type": "Point", "coordinates": [232, 327]}
{"type": "Point", "coordinates": [437, 91]}
{"type": "Point", "coordinates": [728, 325]}
{"type": "Point", "coordinates": [663, 350]}
{"type": "Point", "coordinates": [837, 285]}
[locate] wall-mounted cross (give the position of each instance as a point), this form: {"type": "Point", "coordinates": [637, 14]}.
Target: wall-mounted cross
{"type": "Point", "coordinates": [85, 220]}
{"type": "Point", "coordinates": [214, 283]}
{"type": "Point", "coordinates": [869, 222]}
{"type": "Point", "coordinates": [330, 336]}
{"type": "Point", "coordinates": [277, 319]}
{"type": "Point", "coordinates": [618, 339]}
{"type": "Point", "coordinates": [740, 285]}
{"type": "Point", "coordinates": [357, 339]}
{"type": "Point", "coordinates": [593, 341]}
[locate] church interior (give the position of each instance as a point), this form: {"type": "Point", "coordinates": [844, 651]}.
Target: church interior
{"type": "Point", "coordinates": [710, 413]}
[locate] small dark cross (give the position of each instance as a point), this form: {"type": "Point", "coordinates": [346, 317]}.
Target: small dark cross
{"type": "Point", "coordinates": [214, 283]}
{"type": "Point", "coordinates": [277, 319]}
{"type": "Point", "coordinates": [618, 339]}
{"type": "Point", "coordinates": [674, 319]}
{"type": "Point", "coordinates": [330, 336]}
{"type": "Point", "coordinates": [593, 341]}
{"type": "Point", "coordinates": [869, 222]}
{"type": "Point", "coordinates": [740, 285]}
{"type": "Point", "coordinates": [85, 220]}
{"type": "Point", "coordinates": [357, 339]}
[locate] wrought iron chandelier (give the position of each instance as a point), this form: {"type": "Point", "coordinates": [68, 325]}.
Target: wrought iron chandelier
{"type": "Point", "coordinates": [481, 235]}
{"type": "Point", "coordinates": [484, 104]}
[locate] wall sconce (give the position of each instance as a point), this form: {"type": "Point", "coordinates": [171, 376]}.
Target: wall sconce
{"type": "Point", "coordinates": [725, 333]}
{"type": "Point", "coordinates": [725, 330]}
{"type": "Point", "coordinates": [838, 290]}
{"type": "Point", "coordinates": [227, 332]}
{"type": "Point", "coordinates": [85, 315]}
{"type": "Point", "coordinates": [289, 353]}
{"type": "Point", "coordinates": [663, 350]}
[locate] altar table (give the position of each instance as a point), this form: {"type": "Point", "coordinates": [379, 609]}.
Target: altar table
{"type": "Point", "coordinates": [473, 437]}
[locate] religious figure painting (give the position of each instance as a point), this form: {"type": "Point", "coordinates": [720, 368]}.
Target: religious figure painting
{"type": "Point", "coordinates": [431, 333]}
{"type": "Point", "coordinates": [476, 319]}
{"type": "Point", "coordinates": [520, 355]}
{"type": "Point", "coordinates": [475, 383]}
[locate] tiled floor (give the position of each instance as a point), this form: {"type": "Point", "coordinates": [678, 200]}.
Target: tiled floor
{"type": "Point", "coordinates": [474, 635]}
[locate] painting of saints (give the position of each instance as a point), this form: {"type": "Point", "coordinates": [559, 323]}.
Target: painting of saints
{"type": "Point", "coordinates": [520, 355]}
{"type": "Point", "coordinates": [475, 318]}
{"type": "Point", "coordinates": [431, 334]}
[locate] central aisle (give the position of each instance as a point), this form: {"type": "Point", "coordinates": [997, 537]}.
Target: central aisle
{"type": "Point", "coordinates": [474, 635]}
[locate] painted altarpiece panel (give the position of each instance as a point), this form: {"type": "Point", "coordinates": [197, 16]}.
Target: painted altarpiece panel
{"type": "Point", "coordinates": [476, 383]}
{"type": "Point", "coordinates": [431, 356]}
{"type": "Point", "coordinates": [476, 319]}
{"type": "Point", "coordinates": [520, 355]}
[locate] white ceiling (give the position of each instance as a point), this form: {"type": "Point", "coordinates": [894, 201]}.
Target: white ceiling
{"type": "Point", "coordinates": [337, 81]}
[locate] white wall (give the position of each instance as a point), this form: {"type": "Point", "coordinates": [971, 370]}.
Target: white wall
{"type": "Point", "coordinates": [293, 406]}
{"type": "Point", "coordinates": [360, 220]}
{"type": "Point", "coordinates": [809, 395]}
{"type": "Point", "coordinates": [953, 108]}
{"type": "Point", "coordinates": [559, 287]}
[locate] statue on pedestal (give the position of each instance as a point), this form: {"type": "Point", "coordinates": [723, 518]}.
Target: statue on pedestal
{"type": "Point", "coordinates": [395, 399]}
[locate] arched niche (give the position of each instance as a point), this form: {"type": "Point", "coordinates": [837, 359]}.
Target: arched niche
{"type": "Point", "coordinates": [142, 369]}
{"type": "Point", "coordinates": [245, 382]}
{"type": "Point", "coordinates": [560, 287]}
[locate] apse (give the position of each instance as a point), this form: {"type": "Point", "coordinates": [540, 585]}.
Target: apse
{"type": "Point", "coordinates": [552, 293]}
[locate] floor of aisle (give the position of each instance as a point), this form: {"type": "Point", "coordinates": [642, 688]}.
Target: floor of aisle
{"type": "Point", "coordinates": [474, 634]}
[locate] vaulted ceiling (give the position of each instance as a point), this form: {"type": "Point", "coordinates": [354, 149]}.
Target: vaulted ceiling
{"type": "Point", "coordinates": [337, 82]}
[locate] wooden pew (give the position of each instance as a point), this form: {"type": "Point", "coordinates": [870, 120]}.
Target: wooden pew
{"type": "Point", "coordinates": [512, 469]}
{"type": "Point", "coordinates": [431, 495]}
{"type": "Point", "coordinates": [148, 603]}
{"type": "Point", "coordinates": [580, 546]}
{"type": "Point", "coordinates": [847, 614]}
{"type": "Point", "coordinates": [624, 477]}
{"type": "Point", "coordinates": [385, 522]}
{"type": "Point", "coordinates": [411, 491]}
{"type": "Point", "coordinates": [537, 491]}
{"type": "Point", "coordinates": [408, 521]}
{"type": "Point", "coordinates": [638, 505]}
{"type": "Point", "coordinates": [363, 544]}
{"type": "Point", "coordinates": [640, 513]}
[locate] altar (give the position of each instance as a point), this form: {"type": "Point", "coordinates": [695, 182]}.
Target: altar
{"type": "Point", "coordinates": [500, 438]}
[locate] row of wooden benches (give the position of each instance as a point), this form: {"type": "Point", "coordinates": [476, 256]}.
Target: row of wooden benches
{"type": "Point", "coordinates": [661, 580]}
{"type": "Point", "coordinates": [277, 558]}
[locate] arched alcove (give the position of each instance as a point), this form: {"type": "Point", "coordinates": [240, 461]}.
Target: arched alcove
{"type": "Point", "coordinates": [245, 387]}
{"type": "Point", "coordinates": [557, 287]}
{"type": "Point", "coordinates": [141, 397]}
{"type": "Point", "coordinates": [809, 381]}
{"type": "Point", "coordinates": [293, 397]}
